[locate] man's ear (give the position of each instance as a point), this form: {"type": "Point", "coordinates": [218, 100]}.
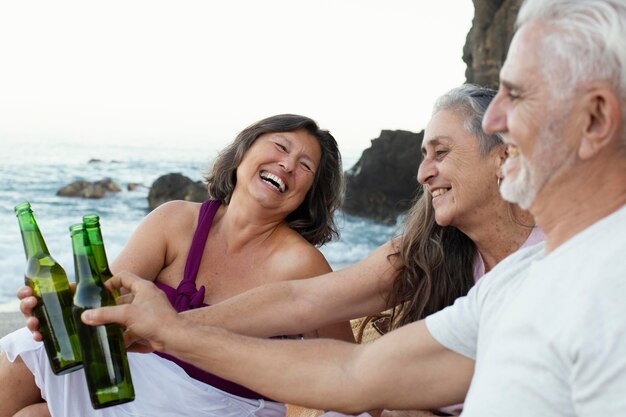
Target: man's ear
{"type": "Point", "coordinates": [602, 120]}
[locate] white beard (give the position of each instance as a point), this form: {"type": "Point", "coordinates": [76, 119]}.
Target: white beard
{"type": "Point", "coordinates": [550, 155]}
{"type": "Point", "coordinates": [520, 190]}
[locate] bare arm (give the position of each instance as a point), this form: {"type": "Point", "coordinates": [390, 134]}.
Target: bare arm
{"type": "Point", "coordinates": [303, 305]}
{"type": "Point", "coordinates": [154, 243]}
{"type": "Point", "coordinates": [405, 369]}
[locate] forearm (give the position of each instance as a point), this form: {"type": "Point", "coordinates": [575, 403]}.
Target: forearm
{"type": "Point", "coordinates": [312, 373]}
{"type": "Point", "coordinates": [405, 369]}
{"type": "Point", "coordinates": [269, 310]}
{"type": "Point", "coordinates": [300, 306]}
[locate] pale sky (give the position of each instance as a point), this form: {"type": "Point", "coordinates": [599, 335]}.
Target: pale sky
{"type": "Point", "coordinates": [188, 71]}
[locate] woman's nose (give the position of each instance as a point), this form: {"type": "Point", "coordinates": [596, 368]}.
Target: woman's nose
{"type": "Point", "coordinates": [287, 163]}
{"type": "Point", "coordinates": [426, 171]}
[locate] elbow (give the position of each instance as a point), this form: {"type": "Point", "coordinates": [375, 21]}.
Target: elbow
{"type": "Point", "coordinates": [305, 312]}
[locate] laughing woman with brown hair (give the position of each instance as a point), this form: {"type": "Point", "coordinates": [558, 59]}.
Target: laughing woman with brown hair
{"type": "Point", "coordinates": [273, 194]}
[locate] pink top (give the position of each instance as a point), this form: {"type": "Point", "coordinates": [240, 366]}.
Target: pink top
{"type": "Point", "coordinates": [536, 236]}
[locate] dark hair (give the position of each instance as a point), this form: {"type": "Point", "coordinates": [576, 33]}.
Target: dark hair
{"type": "Point", "coordinates": [314, 218]}
{"type": "Point", "coordinates": [435, 262]}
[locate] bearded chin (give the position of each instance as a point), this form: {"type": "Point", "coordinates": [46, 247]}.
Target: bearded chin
{"type": "Point", "coordinates": [519, 190]}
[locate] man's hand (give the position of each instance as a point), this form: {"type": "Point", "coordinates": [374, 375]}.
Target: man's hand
{"type": "Point", "coordinates": [144, 311]}
{"type": "Point", "coordinates": [27, 304]}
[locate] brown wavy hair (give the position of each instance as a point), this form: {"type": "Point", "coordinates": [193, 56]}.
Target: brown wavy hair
{"type": "Point", "coordinates": [314, 218]}
{"type": "Point", "coordinates": [435, 262]}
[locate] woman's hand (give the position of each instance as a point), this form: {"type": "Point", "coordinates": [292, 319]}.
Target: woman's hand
{"type": "Point", "coordinates": [144, 311]}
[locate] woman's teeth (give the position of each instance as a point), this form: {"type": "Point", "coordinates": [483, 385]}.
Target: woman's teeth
{"type": "Point", "coordinates": [274, 180]}
{"type": "Point", "coordinates": [439, 191]}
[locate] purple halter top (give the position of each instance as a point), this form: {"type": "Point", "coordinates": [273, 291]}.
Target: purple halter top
{"type": "Point", "coordinates": [187, 297]}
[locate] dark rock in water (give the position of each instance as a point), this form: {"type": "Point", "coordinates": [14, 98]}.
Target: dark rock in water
{"type": "Point", "coordinates": [175, 186]}
{"type": "Point", "coordinates": [196, 192]}
{"type": "Point", "coordinates": [383, 184]}
{"type": "Point", "coordinates": [488, 40]}
{"type": "Point", "coordinates": [98, 161]}
{"type": "Point", "coordinates": [132, 186]}
{"type": "Point", "coordinates": [86, 189]}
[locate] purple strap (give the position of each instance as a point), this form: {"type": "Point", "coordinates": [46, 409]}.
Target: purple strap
{"type": "Point", "coordinates": [187, 296]}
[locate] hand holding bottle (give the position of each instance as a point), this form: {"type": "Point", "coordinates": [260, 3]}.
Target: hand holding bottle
{"type": "Point", "coordinates": [145, 312]}
{"type": "Point", "coordinates": [49, 285]}
{"type": "Point", "coordinates": [28, 302]}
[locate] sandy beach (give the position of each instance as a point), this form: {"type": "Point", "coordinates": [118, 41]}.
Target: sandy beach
{"type": "Point", "coordinates": [10, 317]}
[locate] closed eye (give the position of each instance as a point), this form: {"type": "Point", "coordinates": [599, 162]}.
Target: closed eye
{"type": "Point", "coordinates": [306, 166]}
{"type": "Point", "coordinates": [512, 95]}
{"type": "Point", "coordinates": [281, 147]}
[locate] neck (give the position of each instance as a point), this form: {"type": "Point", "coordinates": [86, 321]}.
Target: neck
{"type": "Point", "coordinates": [241, 224]}
{"type": "Point", "coordinates": [592, 193]}
{"type": "Point", "coordinates": [501, 235]}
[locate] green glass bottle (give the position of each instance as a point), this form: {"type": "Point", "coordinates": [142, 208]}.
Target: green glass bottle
{"type": "Point", "coordinates": [50, 286]}
{"type": "Point", "coordinates": [94, 235]}
{"type": "Point", "coordinates": [106, 364]}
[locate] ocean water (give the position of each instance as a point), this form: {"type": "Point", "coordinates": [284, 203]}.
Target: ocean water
{"type": "Point", "coordinates": [33, 170]}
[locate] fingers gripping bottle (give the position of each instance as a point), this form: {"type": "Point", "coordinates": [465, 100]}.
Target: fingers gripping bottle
{"type": "Point", "coordinates": [50, 286]}
{"type": "Point", "coordinates": [106, 364]}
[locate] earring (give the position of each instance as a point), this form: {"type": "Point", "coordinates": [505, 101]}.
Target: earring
{"type": "Point", "coordinates": [499, 179]}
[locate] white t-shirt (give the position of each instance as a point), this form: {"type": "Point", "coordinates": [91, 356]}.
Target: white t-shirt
{"type": "Point", "coordinates": [548, 332]}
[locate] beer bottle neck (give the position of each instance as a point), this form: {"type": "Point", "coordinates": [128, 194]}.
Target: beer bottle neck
{"type": "Point", "coordinates": [84, 262]}
{"type": "Point", "coordinates": [32, 238]}
{"type": "Point", "coordinates": [94, 236]}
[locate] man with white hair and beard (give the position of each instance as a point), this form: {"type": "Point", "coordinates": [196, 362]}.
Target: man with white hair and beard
{"type": "Point", "coordinates": [544, 333]}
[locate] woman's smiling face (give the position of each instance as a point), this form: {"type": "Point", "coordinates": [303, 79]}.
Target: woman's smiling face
{"type": "Point", "coordinates": [460, 180]}
{"type": "Point", "coordinates": [279, 168]}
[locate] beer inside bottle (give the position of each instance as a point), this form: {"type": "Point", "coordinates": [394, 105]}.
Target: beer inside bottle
{"type": "Point", "coordinates": [106, 364]}
{"type": "Point", "coordinates": [51, 288]}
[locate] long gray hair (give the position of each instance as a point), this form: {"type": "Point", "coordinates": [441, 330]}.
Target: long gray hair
{"type": "Point", "coordinates": [435, 262]}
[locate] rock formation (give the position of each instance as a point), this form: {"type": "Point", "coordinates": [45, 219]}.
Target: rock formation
{"type": "Point", "coordinates": [488, 40]}
{"type": "Point", "coordinates": [86, 189]}
{"type": "Point", "coordinates": [175, 186]}
{"type": "Point", "coordinates": [382, 184]}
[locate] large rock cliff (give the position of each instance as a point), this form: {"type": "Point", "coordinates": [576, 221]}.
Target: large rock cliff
{"type": "Point", "coordinates": [488, 40]}
{"type": "Point", "coordinates": [382, 184]}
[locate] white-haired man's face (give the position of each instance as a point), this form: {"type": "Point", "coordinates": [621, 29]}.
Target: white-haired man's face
{"type": "Point", "coordinates": [533, 122]}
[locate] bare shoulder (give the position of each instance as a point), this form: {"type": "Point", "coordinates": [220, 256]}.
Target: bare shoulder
{"type": "Point", "coordinates": [177, 207]}
{"type": "Point", "coordinates": [176, 214]}
{"type": "Point", "coordinates": [297, 258]}
{"type": "Point", "coordinates": [159, 239]}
